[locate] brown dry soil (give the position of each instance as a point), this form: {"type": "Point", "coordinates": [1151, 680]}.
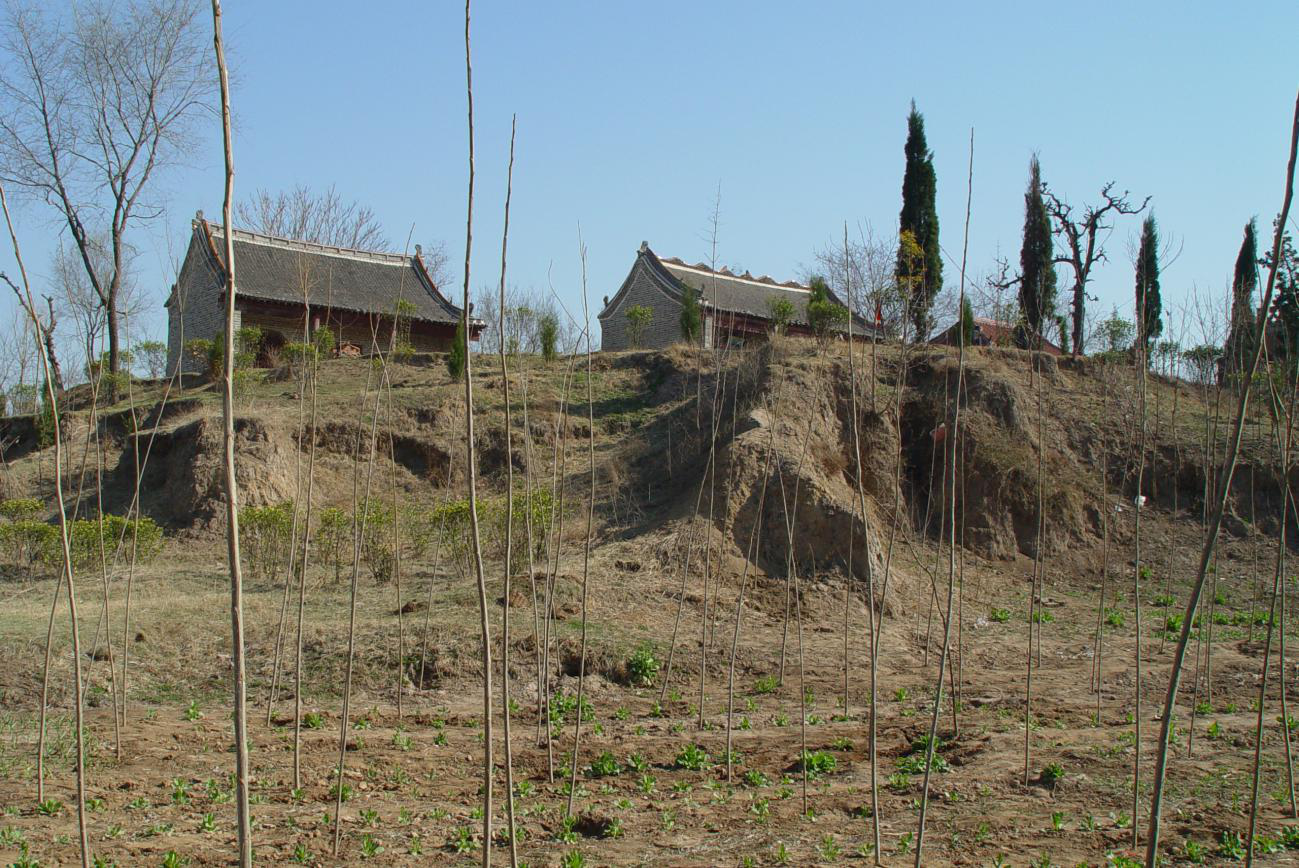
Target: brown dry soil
{"type": "Point", "coordinates": [163, 795]}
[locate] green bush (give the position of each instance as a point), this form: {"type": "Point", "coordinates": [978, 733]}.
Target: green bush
{"type": "Point", "coordinates": [264, 537]}
{"type": "Point", "coordinates": [456, 355]}
{"type": "Point", "coordinates": [781, 312]}
{"type": "Point", "coordinates": [21, 508]}
{"type": "Point", "coordinates": [453, 518]}
{"type": "Point", "coordinates": [154, 354]}
{"type": "Point", "coordinates": [28, 542]}
{"type": "Point", "coordinates": [639, 318]}
{"type": "Point", "coordinates": [333, 534]}
{"type": "Point", "coordinates": [548, 334]}
{"type": "Point", "coordinates": [378, 552]}
{"type": "Point", "coordinates": [642, 667]}
{"type": "Point", "coordinates": [199, 351]}
{"type": "Point", "coordinates": [89, 541]}
{"type": "Point", "coordinates": [824, 316]}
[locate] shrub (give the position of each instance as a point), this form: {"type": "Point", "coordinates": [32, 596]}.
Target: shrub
{"type": "Point", "coordinates": [333, 532]}
{"type": "Point", "coordinates": [642, 667]}
{"type": "Point", "coordinates": [824, 315]}
{"type": "Point", "coordinates": [691, 320]}
{"type": "Point", "coordinates": [200, 351]}
{"type": "Point", "coordinates": [90, 539]}
{"type": "Point", "coordinates": [638, 319]}
{"type": "Point", "coordinates": [403, 352]}
{"type": "Point", "coordinates": [781, 313]}
{"type": "Point", "coordinates": [154, 354]}
{"type": "Point", "coordinates": [21, 508]}
{"type": "Point", "coordinates": [264, 535]}
{"type": "Point", "coordinates": [28, 542]}
{"type": "Point", "coordinates": [456, 356]}
{"type": "Point", "coordinates": [548, 335]}
{"type": "Point", "coordinates": [378, 550]}
{"type": "Point", "coordinates": [299, 357]}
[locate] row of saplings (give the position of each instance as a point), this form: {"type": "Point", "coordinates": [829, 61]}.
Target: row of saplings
{"type": "Point", "coordinates": [271, 537]}
{"type": "Point", "coordinates": [30, 544]}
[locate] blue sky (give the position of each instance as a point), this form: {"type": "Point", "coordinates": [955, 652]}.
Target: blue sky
{"type": "Point", "coordinates": [631, 115]}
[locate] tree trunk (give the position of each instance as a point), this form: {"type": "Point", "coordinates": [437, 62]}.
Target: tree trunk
{"type": "Point", "coordinates": [1079, 316]}
{"type": "Point", "coordinates": [114, 338]}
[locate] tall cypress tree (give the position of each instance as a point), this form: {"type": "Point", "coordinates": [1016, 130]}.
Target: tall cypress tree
{"type": "Point", "coordinates": [1036, 260]}
{"type": "Point", "coordinates": [1149, 306]}
{"type": "Point", "coordinates": [1286, 306]}
{"type": "Point", "coordinates": [1240, 336]}
{"type": "Point", "coordinates": [920, 279]}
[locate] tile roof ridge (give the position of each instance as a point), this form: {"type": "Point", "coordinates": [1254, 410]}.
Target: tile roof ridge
{"type": "Point", "coordinates": [268, 240]}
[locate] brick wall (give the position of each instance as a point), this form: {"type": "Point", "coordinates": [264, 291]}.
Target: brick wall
{"type": "Point", "coordinates": [195, 310]}
{"type": "Point", "coordinates": [663, 330]}
{"type": "Point", "coordinates": [353, 328]}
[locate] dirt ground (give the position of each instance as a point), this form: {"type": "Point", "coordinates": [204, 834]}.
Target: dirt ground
{"type": "Point", "coordinates": [413, 781]}
{"type": "Point", "coordinates": [653, 786]}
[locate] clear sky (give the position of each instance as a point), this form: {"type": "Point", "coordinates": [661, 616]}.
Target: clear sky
{"type": "Point", "coordinates": [631, 114]}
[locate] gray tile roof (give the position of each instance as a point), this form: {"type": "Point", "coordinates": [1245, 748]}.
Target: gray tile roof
{"type": "Point", "coordinates": [739, 293]}
{"type": "Point", "coordinates": [271, 269]}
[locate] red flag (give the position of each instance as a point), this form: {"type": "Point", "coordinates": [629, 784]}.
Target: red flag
{"type": "Point", "coordinates": [879, 315]}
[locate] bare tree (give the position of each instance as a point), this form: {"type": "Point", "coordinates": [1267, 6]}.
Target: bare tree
{"type": "Point", "coordinates": [239, 714]}
{"type": "Point", "coordinates": [868, 264]}
{"type": "Point", "coordinates": [77, 300]}
{"type": "Point", "coordinates": [322, 217]}
{"type": "Point", "coordinates": [97, 102]}
{"type": "Point", "coordinates": [437, 262]}
{"type": "Point", "coordinates": [1085, 243]}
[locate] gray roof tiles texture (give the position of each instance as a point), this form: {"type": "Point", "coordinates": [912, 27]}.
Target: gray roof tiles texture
{"type": "Point", "coordinates": [368, 283]}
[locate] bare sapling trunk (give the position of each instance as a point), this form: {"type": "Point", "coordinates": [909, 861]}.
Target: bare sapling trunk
{"type": "Point", "coordinates": [103, 572]}
{"type": "Point", "coordinates": [245, 836]}
{"type": "Point", "coordinates": [509, 525]}
{"type": "Point", "coordinates": [134, 510]}
{"type": "Point", "coordinates": [586, 552]}
{"type": "Point", "coordinates": [360, 527]}
{"type": "Point", "coordinates": [471, 481]}
{"type": "Point", "coordinates": [297, 506]}
{"type": "Point", "coordinates": [709, 469]}
{"type": "Point", "coordinates": [1035, 583]}
{"type": "Point", "coordinates": [65, 575]}
{"type": "Point", "coordinates": [1229, 466]}
{"type": "Point", "coordinates": [950, 478]}
{"type": "Point", "coordinates": [1278, 583]}
{"type": "Point", "coordinates": [555, 535]}
{"type": "Point", "coordinates": [861, 509]}
{"type": "Point", "coordinates": [1141, 362]}
{"type": "Point", "coordinates": [438, 543]}
{"type": "Point", "coordinates": [314, 364]}
{"type": "Point", "coordinates": [752, 555]}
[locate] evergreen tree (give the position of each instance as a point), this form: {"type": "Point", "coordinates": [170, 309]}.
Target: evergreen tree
{"type": "Point", "coordinates": [691, 321]}
{"type": "Point", "coordinates": [920, 279]}
{"type": "Point", "coordinates": [458, 353]}
{"type": "Point", "coordinates": [825, 317]}
{"type": "Point", "coordinates": [1240, 335]}
{"type": "Point", "coordinates": [1062, 326]}
{"type": "Point", "coordinates": [967, 322]}
{"type": "Point", "coordinates": [548, 333]}
{"type": "Point", "coordinates": [1285, 310]}
{"type": "Point", "coordinates": [1149, 307]}
{"type": "Point", "coordinates": [1036, 260]}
